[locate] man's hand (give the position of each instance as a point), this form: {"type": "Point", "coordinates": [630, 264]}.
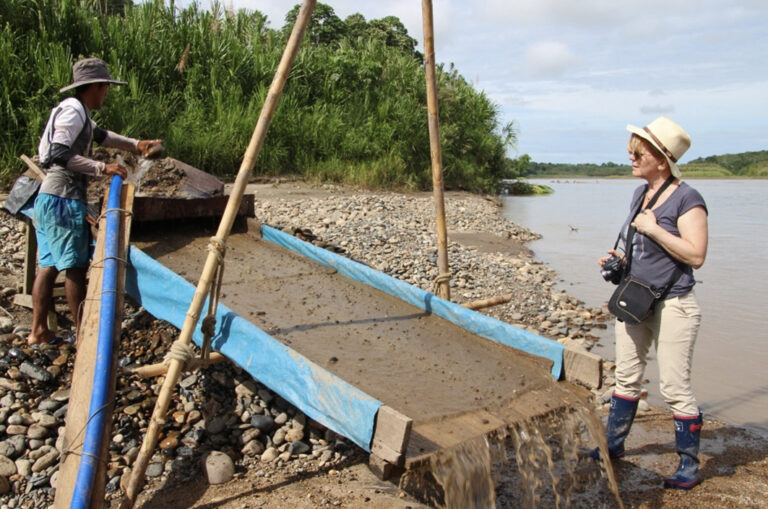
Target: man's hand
{"type": "Point", "coordinates": [150, 148]}
{"type": "Point", "coordinates": [115, 169]}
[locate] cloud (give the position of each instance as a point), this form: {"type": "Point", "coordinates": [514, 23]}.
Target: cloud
{"type": "Point", "coordinates": [548, 59]}
{"type": "Point", "coordinates": [657, 109]}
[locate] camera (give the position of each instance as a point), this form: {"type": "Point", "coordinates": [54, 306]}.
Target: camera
{"type": "Point", "coordinates": [613, 269]}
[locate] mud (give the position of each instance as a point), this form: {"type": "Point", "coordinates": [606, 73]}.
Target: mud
{"type": "Point", "coordinates": [415, 362]}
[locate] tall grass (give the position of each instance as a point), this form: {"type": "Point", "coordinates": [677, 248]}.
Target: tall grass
{"type": "Point", "coordinates": [353, 110]}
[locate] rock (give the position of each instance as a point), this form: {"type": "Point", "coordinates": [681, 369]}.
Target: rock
{"type": "Point", "coordinates": [281, 419]}
{"type": "Point", "coordinates": [269, 455]}
{"type": "Point", "coordinates": [216, 425]}
{"type": "Point", "coordinates": [11, 385]}
{"type": "Point", "coordinates": [279, 437]}
{"type": "Point", "coordinates": [16, 429]}
{"type": "Point", "coordinates": [299, 447]}
{"type": "Point", "coordinates": [7, 466]}
{"type": "Point", "coordinates": [60, 396]}
{"type": "Point", "coordinates": [264, 423]}
{"type": "Point", "coordinates": [154, 470]}
{"type": "Point", "coordinates": [294, 435]}
{"type": "Point", "coordinates": [5, 486]}
{"type": "Point", "coordinates": [45, 461]}
{"type": "Point", "coordinates": [219, 467]}
{"type": "Point", "coordinates": [253, 448]}
{"type": "Point", "coordinates": [6, 324]}
{"type": "Point", "coordinates": [45, 419]}
{"type": "Point", "coordinates": [35, 372]}
{"type": "Point", "coordinates": [249, 435]}
{"type": "Point", "coordinates": [169, 443]}
{"type": "Point", "coordinates": [7, 450]}
{"type": "Point", "coordinates": [37, 431]}
{"type": "Point", "coordinates": [19, 444]}
{"type": "Point", "coordinates": [24, 467]}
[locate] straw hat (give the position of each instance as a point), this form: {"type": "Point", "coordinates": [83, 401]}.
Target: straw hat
{"type": "Point", "coordinates": [90, 70]}
{"type": "Point", "coordinates": [668, 137]}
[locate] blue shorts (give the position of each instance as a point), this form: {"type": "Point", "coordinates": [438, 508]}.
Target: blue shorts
{"type": "Point", "coordinates": [62, 232]}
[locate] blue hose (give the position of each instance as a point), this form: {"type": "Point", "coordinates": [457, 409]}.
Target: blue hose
{"type": "Point", "coordinates": [89, 460]}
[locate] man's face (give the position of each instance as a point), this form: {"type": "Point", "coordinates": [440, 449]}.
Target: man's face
{"type": "Point", "coordinates": [100, 94]}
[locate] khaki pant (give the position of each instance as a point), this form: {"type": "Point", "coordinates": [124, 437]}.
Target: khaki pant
{"type": "Point", "coordinates": [673, 326]}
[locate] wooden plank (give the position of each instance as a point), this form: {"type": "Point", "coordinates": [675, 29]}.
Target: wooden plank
{"type": "Point", "coordinates": [154, 208]}
{"type": "Point", "coordinates": [82, 377]}
{"type": "Point", "coordinates": [428, 438]}
{"type": "Point", "coordinates": [583, 366]}
{"type": "Point", "coordinates": [381, 468]}
{"type": "Point", "coordinates": [392, 428]}
{"type": "Point", "coordinates": [38, 172]}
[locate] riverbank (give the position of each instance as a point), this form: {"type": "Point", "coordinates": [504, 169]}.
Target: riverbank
{"type": "Point", "coordinates": [223, 409]}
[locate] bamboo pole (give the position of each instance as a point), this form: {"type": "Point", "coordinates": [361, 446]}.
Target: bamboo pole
{"type": "Point", "coordinates": [161, 368]}
{"type": "Point", "coordinates": [443, 287]}
{"type": "Point", "coordinates": [212, 262]}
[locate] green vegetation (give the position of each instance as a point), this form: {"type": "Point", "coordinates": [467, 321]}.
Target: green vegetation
{"type": "Point", "coordinates": [353, 110]}
{"type": "Point", "coordinates": [522, 188]}
{"type": "Point", "coordinates": [746, 164]}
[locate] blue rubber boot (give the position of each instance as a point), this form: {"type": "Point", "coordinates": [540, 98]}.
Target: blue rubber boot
{"type": "Point", "coordinates": [620, 420]}
{"type": "Point", "coordinates": [687, 435]}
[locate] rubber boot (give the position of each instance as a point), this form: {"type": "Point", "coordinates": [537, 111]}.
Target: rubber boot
{"type": "Point", "coordinates": [620, 420]}
{"type": "Point", "coordinates": [687, 435]}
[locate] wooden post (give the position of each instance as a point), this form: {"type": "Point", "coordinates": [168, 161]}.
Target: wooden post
{"type": "Point", "coordinates": [212, 262]}
{"type": "Point", "coordinates": [85, 363]}
{"type": "Point", "coordinates": [443, 279]}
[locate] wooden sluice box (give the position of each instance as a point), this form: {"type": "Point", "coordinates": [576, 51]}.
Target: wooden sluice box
{"type": "Point", "coordinates": [398, 371]}
{"type": "Point", "coordinates": [191, 193]}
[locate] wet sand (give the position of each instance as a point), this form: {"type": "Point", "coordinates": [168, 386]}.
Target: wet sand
{"type": "Point", "coordinates": [415, 362]}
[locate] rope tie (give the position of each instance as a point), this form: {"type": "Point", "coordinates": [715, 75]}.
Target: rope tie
{"type": "Point", "coordinates": [216, 246]}
{"type": "Point", "coordinates": [179, 351]}
{"type": "Point", "coordinates": [445, 277]}
{"type": "Point", "coordinates": [107, 211]}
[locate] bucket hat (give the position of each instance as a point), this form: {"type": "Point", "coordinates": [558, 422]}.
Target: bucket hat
{"type": "Point", "coordinates": [90, 70]}
{"type": "Point", "coordinates": [669, 138]}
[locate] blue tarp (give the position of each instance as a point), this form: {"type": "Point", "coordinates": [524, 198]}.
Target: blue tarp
{"type": "Point", "coordinates": [318, 393]}
{"type": "Point", "coordinates": [475, 322]}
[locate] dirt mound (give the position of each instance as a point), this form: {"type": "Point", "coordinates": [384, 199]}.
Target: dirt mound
{"type": "Point", "coordinates": [159, 177]}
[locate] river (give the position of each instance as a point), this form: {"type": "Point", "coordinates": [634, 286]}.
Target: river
{"type": "Point", "coordinates": [580, 221]}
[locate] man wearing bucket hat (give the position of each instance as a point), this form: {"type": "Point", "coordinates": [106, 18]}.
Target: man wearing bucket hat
{"type": "Point", "coordinates": [60, 207]}
{"type": "Point", "coordinates": [668, 240]}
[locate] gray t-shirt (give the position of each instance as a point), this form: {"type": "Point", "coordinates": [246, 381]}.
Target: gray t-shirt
{"type": "Point", "coordinates": [650, 262]}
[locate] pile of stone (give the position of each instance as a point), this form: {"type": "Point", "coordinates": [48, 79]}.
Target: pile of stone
{"type": "Point", "coordinates": [395, 233]}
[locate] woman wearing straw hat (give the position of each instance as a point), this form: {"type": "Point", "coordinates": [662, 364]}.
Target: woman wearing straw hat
{"type": "Point", "coordinates": [668, 240]}
{"type": "Point", "coordinates": [60, 207]}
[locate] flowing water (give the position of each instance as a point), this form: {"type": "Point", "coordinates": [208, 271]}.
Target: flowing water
{"type": "Point", "coordinates": [533, 463]}
{"type": "Point", "coordinates": [580, 221]}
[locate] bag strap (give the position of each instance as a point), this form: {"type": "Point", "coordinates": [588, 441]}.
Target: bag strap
{"type": "Point", "coordinates": [631, 230]}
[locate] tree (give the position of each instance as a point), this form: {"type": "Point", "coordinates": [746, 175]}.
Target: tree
{"type": "Point", "coordinates": [324, 27]}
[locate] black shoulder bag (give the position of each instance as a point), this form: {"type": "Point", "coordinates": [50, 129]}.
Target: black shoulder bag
{"type": "Point", "coordinates": [634, 299]}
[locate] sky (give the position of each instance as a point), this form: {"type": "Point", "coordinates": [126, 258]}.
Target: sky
{"type": "Point", "coordinates": [571, 74]}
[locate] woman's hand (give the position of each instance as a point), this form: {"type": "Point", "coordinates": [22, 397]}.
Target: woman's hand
{"type": "Point", "coordinates": [611, 252]}
{"type": "Point", "coordinates": [644, 222]}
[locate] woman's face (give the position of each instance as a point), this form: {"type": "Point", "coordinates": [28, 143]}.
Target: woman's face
{"type": "Point", "coordinates": [646, 163]}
